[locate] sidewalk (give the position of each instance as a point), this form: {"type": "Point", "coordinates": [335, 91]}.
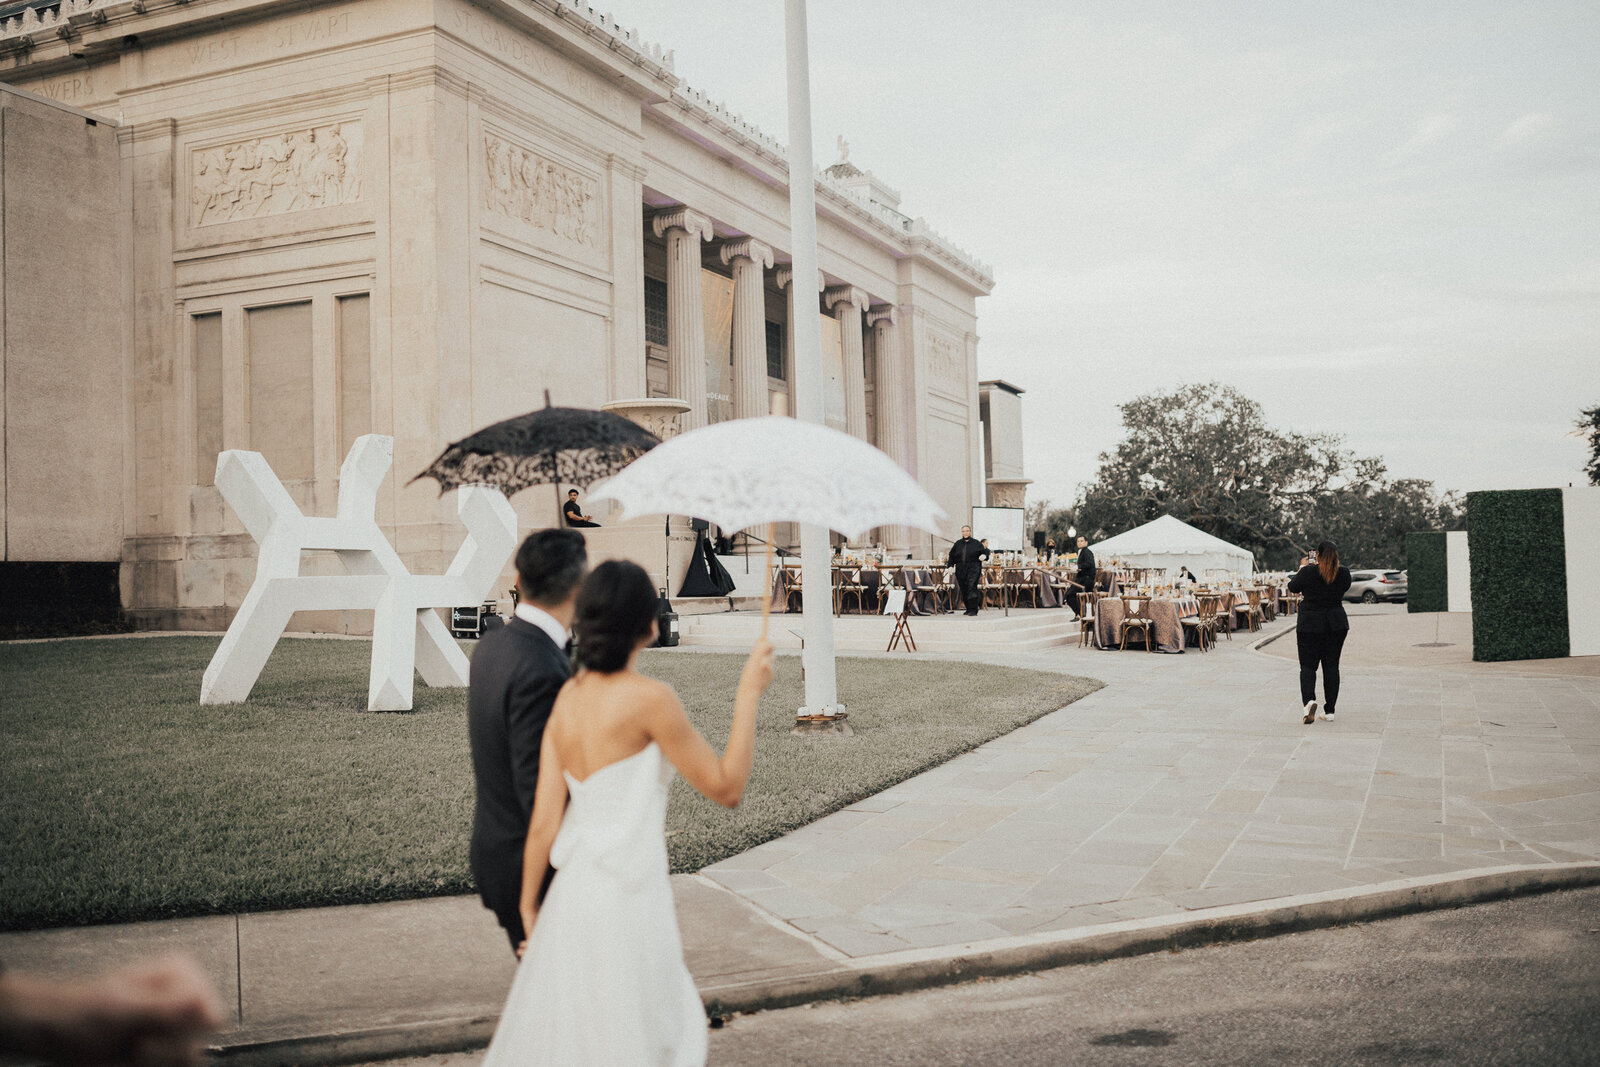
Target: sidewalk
{"type": "Point", "coordinates": [1182, 803]}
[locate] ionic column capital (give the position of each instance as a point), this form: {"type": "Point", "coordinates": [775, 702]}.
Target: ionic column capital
{"type": "Point", "coordinates": [747, 248]}
{"type": "Point", "coordinates": [840, 294]}
{"type": "Point", "coordinates": [786, 275]}
{"type": "Point", "coordinates": [882, 313]}
{"type": "Point", "coordinates": [682, 218]}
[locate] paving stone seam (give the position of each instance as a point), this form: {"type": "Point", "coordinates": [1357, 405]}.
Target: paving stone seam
{"type": "Point", "coordinates": [782, 925]}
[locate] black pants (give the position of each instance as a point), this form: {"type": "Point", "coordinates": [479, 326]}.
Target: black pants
{"type": "Point", "coordinates": [968, 577]}
{"type": "Point", "coordinates": [1320, 649]}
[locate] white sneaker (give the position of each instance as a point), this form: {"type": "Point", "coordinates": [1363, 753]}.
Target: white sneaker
{"type": "Point", "coordinates": [1311, 711]}
{"type": "Point", "coordinates": [1327, 716]}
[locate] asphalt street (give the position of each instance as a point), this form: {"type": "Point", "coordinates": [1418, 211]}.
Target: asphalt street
{"type": "Point", "coordinates": [1513, 982]}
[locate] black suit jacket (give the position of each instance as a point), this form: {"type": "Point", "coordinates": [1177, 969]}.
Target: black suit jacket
{"type": "Point", "coordinates": [517, 671]}
{"type": "Point", "coordinates": [967, 552]}
{"type": "Point", "coordinates": [1322, 610]}
{"type": "Point", "coordinates": [1085, 575]}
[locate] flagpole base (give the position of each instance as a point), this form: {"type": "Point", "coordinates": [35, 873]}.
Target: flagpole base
{"type": "Point", "coordinates": [809, 724]}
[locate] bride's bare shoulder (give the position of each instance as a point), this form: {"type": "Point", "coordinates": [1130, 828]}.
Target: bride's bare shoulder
{"type": "Point", "coordinates": [649, 687]}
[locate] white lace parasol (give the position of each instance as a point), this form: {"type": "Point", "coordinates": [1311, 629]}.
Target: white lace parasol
{"type": "Point", "coordinates": [746, 472]}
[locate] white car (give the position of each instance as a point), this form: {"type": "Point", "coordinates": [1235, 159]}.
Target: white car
{"type": "Point", "coordinates": [1370, 585]}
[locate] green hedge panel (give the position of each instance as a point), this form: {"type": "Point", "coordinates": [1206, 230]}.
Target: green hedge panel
{"type": "Point", "coordinates": [1427, 574]}
{"type": "Point", "coordinates": [1519, 574]}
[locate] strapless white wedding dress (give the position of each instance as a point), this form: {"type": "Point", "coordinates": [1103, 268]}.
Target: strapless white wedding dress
{"type": "Point", "coordinates": [603, 982]}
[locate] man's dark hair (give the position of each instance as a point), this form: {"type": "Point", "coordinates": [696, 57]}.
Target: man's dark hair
{"type": "Point", "coordinates": [572, 492]}
{"type": "Point", "coordinates": [550, 564]}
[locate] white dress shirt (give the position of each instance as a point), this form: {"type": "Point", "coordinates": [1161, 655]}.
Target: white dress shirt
{"type": "Point", "coordinates": [545, 621]}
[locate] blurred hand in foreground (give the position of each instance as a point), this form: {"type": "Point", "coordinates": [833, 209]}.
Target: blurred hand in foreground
{"type": "Point", "coordinates": [153, 1014]}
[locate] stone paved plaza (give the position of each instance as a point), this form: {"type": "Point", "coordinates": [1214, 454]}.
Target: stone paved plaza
{"type": "Point", "coordinates": [1190, 782]}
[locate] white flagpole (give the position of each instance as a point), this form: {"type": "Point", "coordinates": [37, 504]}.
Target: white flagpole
{"type": "Point", "coordinates": [816, 581]}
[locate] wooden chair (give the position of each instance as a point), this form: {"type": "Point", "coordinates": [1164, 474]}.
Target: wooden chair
{"type": "Point", "coordinates": [1138, 618]}
{"type": "Point", "coordinates": [917, 582]}
{"type": "Point", "coordinates": [1024, 584]}
{"type": "Point", "coordinates": [791, 587]}
{"type": "Point", "coordinates": [992, 583]}
{"type": "Point", "coordinates": [1204, 624]}
{"type": "Point", "coordinates": [846, 583]}
{"type": "Point", "coordinates": [945, 586]}
{"type": "Point", "coordinates": [1251, 609]}
{"type": "Point", "coordinates": [1086, 617]}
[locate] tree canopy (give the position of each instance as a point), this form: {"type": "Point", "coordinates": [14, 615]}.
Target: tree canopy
{"type": "Point", "coordinates": [1589, 430]}
{"type": "Point", "coordinates": [1204, 453]}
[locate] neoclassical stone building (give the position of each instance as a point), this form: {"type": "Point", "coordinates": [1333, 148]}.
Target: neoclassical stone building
{"type": "Point", "coordinates": [303, 222]}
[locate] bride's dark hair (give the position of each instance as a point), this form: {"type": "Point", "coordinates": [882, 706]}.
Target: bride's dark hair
{"type": "Point", "coordinates": [616, 605]}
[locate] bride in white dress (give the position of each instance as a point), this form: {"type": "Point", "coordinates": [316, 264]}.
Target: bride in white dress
{"type": "Point", "coordinates": [602, 980]}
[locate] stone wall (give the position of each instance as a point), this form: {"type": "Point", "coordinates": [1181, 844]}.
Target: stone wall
{"type": "Point", "coordinates": [61, 348]}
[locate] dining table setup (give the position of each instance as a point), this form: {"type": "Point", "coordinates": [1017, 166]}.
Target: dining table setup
{"type": "Point", "coordinates": [1131, 610]}
{"type": "Point", "coordinates": [1168, 614]}
{"type": "Point", "coordinates": [1172, 618]}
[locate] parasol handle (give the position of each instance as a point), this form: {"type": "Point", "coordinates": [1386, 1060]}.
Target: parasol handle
{"type": "Point", "coordinates": [780, 406]}
{"type": "Point", "coordinates": [766, 593]}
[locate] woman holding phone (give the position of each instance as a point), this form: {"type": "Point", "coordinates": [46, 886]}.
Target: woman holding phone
{"type": "Point", "coordinates": [1321, 626]}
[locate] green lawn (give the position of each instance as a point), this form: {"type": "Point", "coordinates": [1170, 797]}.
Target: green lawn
{"type": "Point", "coordinates": [125, 799]}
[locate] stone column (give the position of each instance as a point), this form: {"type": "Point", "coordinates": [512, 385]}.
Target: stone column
{"type": "Point", "coordinates": [891, 385]}
{"type": "Point", "coordinates": [796, 308]}
{"type": "Point", "coordinates": [686, 325]}
{"type": "Point", "coordinates": [847, 302]}
{"type": "Point", "coordinates": [748, 258]}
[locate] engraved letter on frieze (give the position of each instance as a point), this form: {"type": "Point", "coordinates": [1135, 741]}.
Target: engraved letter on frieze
{"type": "Point", "coordinates": [521, 184]}
{"type": "Point", "coordinates": [312, 168]}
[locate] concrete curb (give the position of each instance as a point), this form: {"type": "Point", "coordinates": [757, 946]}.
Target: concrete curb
{"type": "Point", "coordinates": [903, 972]}
{"type": "Point", "coordinates": [283, 1049]}
{"type": "Point", "coordinates": [926, 968]}
{"type": "Point", "coordinates": [1265, 641]}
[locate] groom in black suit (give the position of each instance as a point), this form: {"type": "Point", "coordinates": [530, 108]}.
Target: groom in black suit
{"type": "Point", "coordinates": [517, 671]}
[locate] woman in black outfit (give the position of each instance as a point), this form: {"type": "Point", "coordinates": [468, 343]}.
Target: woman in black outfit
{"type": "Point", "coordinates": [1321, 626]}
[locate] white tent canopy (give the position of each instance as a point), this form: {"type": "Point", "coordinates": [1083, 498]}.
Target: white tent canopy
{"type": "Point", "coordinates": [1170, 543]}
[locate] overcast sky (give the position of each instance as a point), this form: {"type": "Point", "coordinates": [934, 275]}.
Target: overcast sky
{"type": "Point", "coordinates": [1380, 219]}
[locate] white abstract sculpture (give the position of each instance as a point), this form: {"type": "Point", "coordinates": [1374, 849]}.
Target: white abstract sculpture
{"type": "Point", "coordinates": [407, 633]}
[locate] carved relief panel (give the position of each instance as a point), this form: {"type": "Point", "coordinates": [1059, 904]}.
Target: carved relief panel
{"type": "Point", "coordinates": [317, 167]}
{"type": "Point", "coordinates": [549, 196]}
{"type": "Point", "coordinates": [947, 366]}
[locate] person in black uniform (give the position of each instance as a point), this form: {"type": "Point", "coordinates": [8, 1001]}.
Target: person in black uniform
{"type": "Point", "coordinates": [516, 673]}
{"type": "Point", "coordinates": [573, 513]}
{"type": "Point", "coordinates": [1321, 626]}
{"type": "Point", "coordinates": [1084, 578]}
{"type": "Point", "coordinates": [967, 557]}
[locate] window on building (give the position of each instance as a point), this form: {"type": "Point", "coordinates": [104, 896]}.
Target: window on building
{"type": "Point", "coordinates": [207, 358]}
{"type": "Point", "coordinates": [655, 312]}
{"type": "Point", "coordinates": [355, 369]}
{"type": "Point", "coordinates": [775, 366]}
{"type": "Point", "coordinates": [278, 348]}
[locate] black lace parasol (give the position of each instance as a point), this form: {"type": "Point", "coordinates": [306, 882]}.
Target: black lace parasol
{"type": "Point", "coordinates": [571, 446]}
